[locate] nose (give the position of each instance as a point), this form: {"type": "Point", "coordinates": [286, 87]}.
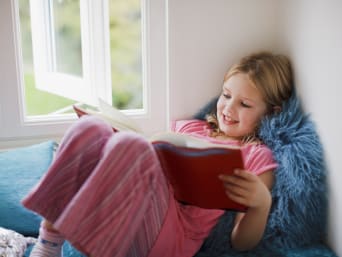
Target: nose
{"type": "Point", "coordinates": [229, 107]}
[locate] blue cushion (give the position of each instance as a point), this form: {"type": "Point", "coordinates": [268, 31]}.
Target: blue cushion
{"type": "Point", "coordinates": [20, 170]}
{"type": "Point", "coordinates": [68, 251]}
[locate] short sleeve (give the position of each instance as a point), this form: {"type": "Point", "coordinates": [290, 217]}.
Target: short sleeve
{"type": "Point", "coordinates": [189, 127]}
{"type": "Point", "coordinates": [258, 158]}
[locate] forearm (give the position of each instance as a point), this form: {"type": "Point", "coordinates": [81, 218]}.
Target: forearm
{"type": "Point", "coordinates": [249, 229]}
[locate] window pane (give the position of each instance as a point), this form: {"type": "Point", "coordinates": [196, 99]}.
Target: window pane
{"type": "Point", "coordinates": [126, 53]}
{"type": "Point", "coordinates": [66, 29]}
{"type": "Point", "coordinates": [37, 102]}
{"type": "Point", "coordinates": [66, 50]}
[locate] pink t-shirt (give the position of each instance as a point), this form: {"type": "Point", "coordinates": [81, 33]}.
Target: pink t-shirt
{"type": "Point", "coordinates": [258, 158]}
{"type": "Point", "coordinates": [185, 226]}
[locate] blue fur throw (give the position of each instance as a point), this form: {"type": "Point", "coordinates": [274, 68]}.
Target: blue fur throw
{"type": "Point", "coordinates": [297, 221]}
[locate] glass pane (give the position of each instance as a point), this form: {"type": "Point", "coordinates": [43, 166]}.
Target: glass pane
{"type": "Point", "coordinates": [126, 53]}
{"type": "Point", "coordinates": [37, 102]}
{"type": "Point", "coordinates": [67, 36]}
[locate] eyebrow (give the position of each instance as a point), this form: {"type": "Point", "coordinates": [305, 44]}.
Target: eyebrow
{"type": "Point", "coordinates": [244, 98]}
{"type": "Point", "coordinates": [248, 99]}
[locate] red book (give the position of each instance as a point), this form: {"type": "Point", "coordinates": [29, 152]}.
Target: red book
{"type": "Point", "coordinates": [193, 173]}
{"type": "Point", "coordinates": [191, 165]}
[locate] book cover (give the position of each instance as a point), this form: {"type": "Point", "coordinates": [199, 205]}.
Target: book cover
{"type": "Point", "coordinates": [193, 173]}
{"type": "Point", "coordinates": [191, 165]}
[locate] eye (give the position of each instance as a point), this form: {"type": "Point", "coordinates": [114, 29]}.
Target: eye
{"type": "Point", "coordinates": [226, 95]}
{"type": "Point", "coordinates": [243, 104]}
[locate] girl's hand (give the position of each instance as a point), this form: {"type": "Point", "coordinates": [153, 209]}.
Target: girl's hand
{"type": "Point", "coordinates": [247, 189]}
{"type": "Point", "coordinates": [252, 191]}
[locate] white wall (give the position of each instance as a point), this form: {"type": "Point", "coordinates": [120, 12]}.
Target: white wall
{"type": "Point", "coordinates": [312, 36]}
{"type": "Point", "coordinates": [205, 37]}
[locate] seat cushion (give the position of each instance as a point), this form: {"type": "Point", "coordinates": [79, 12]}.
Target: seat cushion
{"type": "Point", "coordinates": [20, 170]}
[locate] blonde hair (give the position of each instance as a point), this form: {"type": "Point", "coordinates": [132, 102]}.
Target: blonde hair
{"type": "Point", "coordinates": [270, 73]}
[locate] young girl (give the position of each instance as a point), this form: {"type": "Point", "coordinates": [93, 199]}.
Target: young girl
{"type": "Point", "coordinates": [105, 192]}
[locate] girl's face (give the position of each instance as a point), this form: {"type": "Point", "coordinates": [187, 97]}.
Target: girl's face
{"type": "Point", "coordinates": [240, 107]}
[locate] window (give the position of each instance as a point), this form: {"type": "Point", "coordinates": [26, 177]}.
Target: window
{"type": "Point", "coordinates": [74, 45]}
{"type": "Point", "coordinates": [80, 61]}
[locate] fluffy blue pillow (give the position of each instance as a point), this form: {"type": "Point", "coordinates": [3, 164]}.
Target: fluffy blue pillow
{"type": "Point", "coordinates": [20, 170]}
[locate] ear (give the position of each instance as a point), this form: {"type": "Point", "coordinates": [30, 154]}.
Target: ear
{"type": "Point", "coordinates": [276, 109]}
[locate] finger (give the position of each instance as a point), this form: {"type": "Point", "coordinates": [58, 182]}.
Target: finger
{"type": "Point", "coordinates": [239, 198]}
{"type": "Point", "coordinates": [235, 185]}
{"type": "Point", "coordinates": [236, 190]}
{"type": "Point", "coordinates": [235, 180]}
{"type": "Point", "coordinates": [245, 174]}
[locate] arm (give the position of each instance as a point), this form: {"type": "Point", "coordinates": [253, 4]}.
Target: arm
{"type": "Point", "coordinates": [253, 191]}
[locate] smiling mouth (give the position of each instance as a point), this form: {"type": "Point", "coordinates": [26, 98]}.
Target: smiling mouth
{"type": "Point", "coordinates": [228, 120]}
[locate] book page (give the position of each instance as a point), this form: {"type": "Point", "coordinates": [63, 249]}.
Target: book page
{"type": "Point", "coordinates": [186, 140]}
{"type": "Point", "coordinates": [117, 118]}
{"type": "Point", "coordinates": [121, 122]}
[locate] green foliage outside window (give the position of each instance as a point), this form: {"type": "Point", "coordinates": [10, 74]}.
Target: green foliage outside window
{"type": "Point", "coordinates": [126, 63]}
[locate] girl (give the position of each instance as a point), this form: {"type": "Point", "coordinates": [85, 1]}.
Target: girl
{"type": "Point", "coordinates": [105, 192]}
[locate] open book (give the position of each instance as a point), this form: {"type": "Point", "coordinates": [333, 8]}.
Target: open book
{"type": "Point", "coordinates": [191, 165]}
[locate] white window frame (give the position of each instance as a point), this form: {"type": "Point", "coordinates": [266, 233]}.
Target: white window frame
{"type": "Point", "coordinates": [17, 130]}
{"type": "Point", "coordinates": [95, 81]}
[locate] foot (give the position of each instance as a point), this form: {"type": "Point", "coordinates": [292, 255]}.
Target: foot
{"type": "Point", "coordinates": [49, 244]}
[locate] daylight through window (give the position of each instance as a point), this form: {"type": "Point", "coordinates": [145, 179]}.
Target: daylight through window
{"type": "Point", "coordinates": [79, 51]}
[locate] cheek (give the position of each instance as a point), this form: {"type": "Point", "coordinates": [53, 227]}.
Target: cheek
{"type": "Point", "coordinates": [256, 119]}
{"type": "Point", "coordinates": [219, 105]}
{"type": "Point", "coordinates": [252, 120]}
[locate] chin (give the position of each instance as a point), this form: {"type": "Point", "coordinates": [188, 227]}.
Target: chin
{"type": "Point", "coordinates": [225, 131]}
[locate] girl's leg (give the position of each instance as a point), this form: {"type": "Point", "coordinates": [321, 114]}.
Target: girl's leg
{"type": "Point", "coordinates": [126, 188]}
{"type": "Point", "coordinates": [76, 157]}
{"type": "Point", "coordinates": [79, 151]}
{"type": "Point", "coordinates": [49, 243]}
{"type": "Point", "coordinates": [101, 201]}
